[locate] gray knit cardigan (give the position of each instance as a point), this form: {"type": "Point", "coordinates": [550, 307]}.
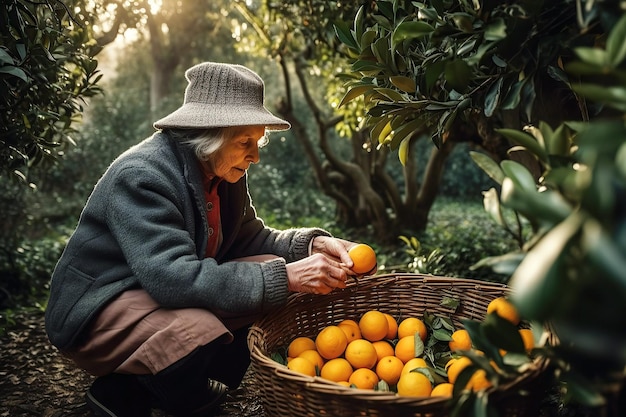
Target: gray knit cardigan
{"type": "Point", "coordinates": [145, 226]}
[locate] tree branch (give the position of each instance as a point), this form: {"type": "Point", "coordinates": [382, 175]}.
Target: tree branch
{"type": "Point", "coordinates": [108, 37]}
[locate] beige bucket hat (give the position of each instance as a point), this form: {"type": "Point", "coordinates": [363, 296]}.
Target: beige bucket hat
{"type": "Point", "coordinates": [222, 95]}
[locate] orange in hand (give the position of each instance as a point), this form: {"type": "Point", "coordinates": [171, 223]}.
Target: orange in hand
{"type": "Point", "coordinates": [364, 258]}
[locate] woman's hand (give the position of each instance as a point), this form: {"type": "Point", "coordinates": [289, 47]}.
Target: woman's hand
{"type": "Point", "coordinates": [327, 268]}
{"type": "Point", "coordinates": [333, 248]}
{"type": "Point", "coordinates": [316, 274]}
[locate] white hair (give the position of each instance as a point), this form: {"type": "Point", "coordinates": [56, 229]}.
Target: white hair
{"type": "Point", "coordinates": [207, 142]}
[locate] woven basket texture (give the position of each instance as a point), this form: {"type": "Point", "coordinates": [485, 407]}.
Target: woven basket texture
{"type": "Point", "coordinates": [287, 393]}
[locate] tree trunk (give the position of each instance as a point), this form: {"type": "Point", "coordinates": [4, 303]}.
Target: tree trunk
{"type": "Point", "coordinates": [414, 214]}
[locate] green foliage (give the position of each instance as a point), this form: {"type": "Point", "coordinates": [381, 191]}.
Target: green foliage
{"type": "Point", "coordinates": [464, 233]}
{"type": "Point", "coordinates": [27, 258]}
{"type": "Point", "coordinates": [448, 67]}
{"type": "Point", "coordinates": [461, 178]}
{"type": "Point", "coordinates": [429, 66]}
{"type": "Point", "coordinates": [116, 120]}
{"type": "Point", "coordinates": [46, 71]}
{"type": "Point", "coordinates": [292, 201]}
{"type": "Point", "coordinates": [430, 263]}
{"type": "Point", "coordinates": [459, 233]}
{"type": "Point", "coordinates": [573, 273]}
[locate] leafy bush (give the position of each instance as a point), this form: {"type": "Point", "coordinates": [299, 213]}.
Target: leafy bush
{"type": "Point", "coordinates": [443, 249]}
{"type": "Point", "coordinates": [27, 270]}
{"type": "Point", "coordinates": [465, 234]}
{"type": "Point", "coordinates": [46, 70]}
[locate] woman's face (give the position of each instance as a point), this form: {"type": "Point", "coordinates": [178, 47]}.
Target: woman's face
{"type": "Point", "coordinates": [234, 158]}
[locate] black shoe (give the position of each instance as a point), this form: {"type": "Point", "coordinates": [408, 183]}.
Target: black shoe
{"type": "Point", "coordinates": [215, 397]}
{"type": "Point", "coordinates": [118, 395]}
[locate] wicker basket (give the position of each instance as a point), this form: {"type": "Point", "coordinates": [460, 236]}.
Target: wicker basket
{"type": "Point", "coordinates": [287, 393]}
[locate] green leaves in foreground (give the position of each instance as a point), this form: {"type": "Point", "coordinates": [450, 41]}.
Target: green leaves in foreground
{"type": "Point", "coordinates": [409, 30]}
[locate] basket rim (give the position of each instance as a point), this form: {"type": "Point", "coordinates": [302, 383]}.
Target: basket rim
{"type": "Point", "coordinates": [322, 385]}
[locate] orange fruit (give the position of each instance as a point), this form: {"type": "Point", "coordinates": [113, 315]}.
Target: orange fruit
{"type": "Point", "coordinates": [503, 308]}
{"type": "Point", "coordinates": [392, 333]}
{"type": "Point", "coordinates": [528, 339]}
{"type": "Point", "coordinates": [301, 365]}
{"type": "Point", "coordinates": [413, 364]}
{"type": "Point", "coordinates": [414, 384]}
{"type": "Point", "coordinates": [405, 348]}
{"type": "Point", "coordinates": [410, 326]}
{"type": "Point", "coordinates": [350, 322]}
{"type": "Point", "coordinates": [336, 370]}
{"type": "Point", "coordinates": [299, 345]}
{"type": "Point", "coordinates": [331, 342]}
{"type": "Point", "coordinates": [478, 381]}
{"type": "Point", "coordinates": [460, 340]}
{"type": "Point", "coordinates": [352, 332]}
{"type": "Point", "coordinates": [361, 354]}
{"type": "Point", "coordinates": [314, 357]}
{"type": "Point", "coordinates": [442, 390]}
{"type": "Point", "coordinates": [364, 378]}
{"type": "Point", "coordinates": [389, 369]}
{"type": "Point", "coordinates": [373, 325]}
{"type": "Point", "coordinates": [344, 383]}
{"type": "Point", "coordinates": [364, 258]}
{"type": "Point", "coordinates": [383, 348]}
{"type": "Point", "coordinates": [455, 366]}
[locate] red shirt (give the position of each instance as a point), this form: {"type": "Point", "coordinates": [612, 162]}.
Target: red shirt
{"type": "Point", "coordinates": [212, 207]}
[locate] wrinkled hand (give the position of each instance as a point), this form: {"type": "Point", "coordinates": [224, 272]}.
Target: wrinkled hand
{"type": "Point", "coordinates": [334, 248]}
{"type": "Point", "coordinates": [316, 274]}
{"type": "Point", "coordinates": [338, 250]}
{"type": "Point", "coordinates": [326, 269]}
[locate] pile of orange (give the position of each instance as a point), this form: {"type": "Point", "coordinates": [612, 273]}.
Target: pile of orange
{"type": "Point", "coordinates": [378, 348]}
{"type": "Point", "coordinates": [361, 354]}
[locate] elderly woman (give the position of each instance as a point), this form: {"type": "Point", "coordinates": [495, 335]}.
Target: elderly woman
{"type": "Point", "coordinates": [169, 263]}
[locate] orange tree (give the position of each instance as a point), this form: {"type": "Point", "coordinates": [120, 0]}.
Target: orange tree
{"type": "Point", "coordinates": [450, 68]}
{"type": "Point", "coordinates": [572, 272]}
{"type": "Point", "coordinates": [300, 36]}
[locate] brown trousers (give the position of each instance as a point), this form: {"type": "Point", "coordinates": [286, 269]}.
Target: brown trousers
{"type": "Point", "coordinates": [134, 335]}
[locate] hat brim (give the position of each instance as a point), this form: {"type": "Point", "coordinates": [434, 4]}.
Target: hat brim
{"type": "Point", "coordinates": [206, 116]}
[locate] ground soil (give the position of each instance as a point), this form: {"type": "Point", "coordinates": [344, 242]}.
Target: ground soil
{"type": "Point", "coordinates": [35, 380]}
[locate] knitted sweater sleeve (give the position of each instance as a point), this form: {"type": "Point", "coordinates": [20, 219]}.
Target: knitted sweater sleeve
{"type": "Point", "coordinates": [151, 225]}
